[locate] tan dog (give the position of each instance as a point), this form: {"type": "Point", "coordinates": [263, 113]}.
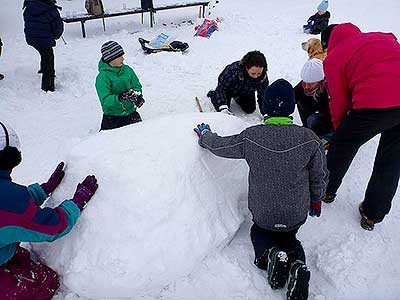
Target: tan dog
{"type": "Point", "coordinates": [314, 49]}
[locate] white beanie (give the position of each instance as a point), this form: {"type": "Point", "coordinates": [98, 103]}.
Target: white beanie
{"type": "Point", "coordinates": [312, 71]}
{"type": "Point", "coordinates": [8, 137]}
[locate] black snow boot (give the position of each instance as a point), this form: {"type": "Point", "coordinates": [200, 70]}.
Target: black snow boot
{"type": "Point", "coordinates": [299, 277]}
{"type": "Point", "coordinates": [365, 223]}
{"type": "Point", "coordinates": [278, 268]}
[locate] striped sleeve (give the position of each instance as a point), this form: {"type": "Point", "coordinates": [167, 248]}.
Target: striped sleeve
{"type": "Point", "coordinates": [39, 224]}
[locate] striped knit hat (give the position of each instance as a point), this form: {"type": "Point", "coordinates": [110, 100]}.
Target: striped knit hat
{"type": "Point", "coordinates": [110, 51]}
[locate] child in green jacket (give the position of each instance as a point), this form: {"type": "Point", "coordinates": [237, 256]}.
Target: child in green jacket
{"type": "Point", "coordinates": [118, 88]}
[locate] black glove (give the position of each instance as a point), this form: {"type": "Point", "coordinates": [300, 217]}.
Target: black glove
{"type": "Point", "coordinates": [139, 101]}
{"type": "Point", "coordinates": [132, 96]}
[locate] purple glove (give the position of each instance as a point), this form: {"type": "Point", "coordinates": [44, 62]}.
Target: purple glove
{"type": "Point", "coordinates": [54, 179]}
{"type": "Point", "coordinates": [85, 191]}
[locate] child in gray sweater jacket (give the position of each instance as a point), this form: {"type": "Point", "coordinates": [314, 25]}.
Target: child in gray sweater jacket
{"type": "Point", "coordinates": [287, 180]}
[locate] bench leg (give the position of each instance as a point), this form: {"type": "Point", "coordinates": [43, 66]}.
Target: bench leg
{"type": "Point", "coordinates": [83, 29]}
{"type": "Point", "coordinates": [204, 10]}
{"type": "Point", "coordinates": [142, 19]}
{"type": "Point", "coordinates": [151, 19]}
{"type": "Point", "coordinates": [104, 25]}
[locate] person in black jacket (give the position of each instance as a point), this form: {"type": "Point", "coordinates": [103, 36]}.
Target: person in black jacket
{"type": "Point", "coordinates": [43, 25]}
{"type": "Point", "coordinates": [240, 80]}
{"type": "Point", "coordinates": [312, 99]}
{"type": "Point", "coordinates": [319, 21]}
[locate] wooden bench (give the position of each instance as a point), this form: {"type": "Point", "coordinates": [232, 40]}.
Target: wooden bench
{"type": "Point", "coordinates": [202, 8]}
{"type": "Point", "coordinates": [83, 17]}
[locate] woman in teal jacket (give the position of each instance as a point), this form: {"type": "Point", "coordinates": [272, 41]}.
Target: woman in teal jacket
{"type": "Point", "coordinates": [118, 88]}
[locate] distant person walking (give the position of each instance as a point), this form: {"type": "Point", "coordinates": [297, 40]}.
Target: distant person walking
{"type": "Point", "coordinates": [43, 25]}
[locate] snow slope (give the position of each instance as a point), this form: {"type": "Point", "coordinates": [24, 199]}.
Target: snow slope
{"type": "Point", "coordinates": [346, 262]}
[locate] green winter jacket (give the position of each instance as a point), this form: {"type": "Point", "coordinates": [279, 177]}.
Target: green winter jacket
{"type": "Point", "coordinates": [110, 82]}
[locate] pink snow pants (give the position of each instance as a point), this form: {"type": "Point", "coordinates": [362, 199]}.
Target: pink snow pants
{"type": "Point", "coordinates": [23, 279]}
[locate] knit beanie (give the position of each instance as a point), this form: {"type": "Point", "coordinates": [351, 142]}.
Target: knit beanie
{"type": "Point", "coordinates": [312, 71]}
{"type": "Point", "coordinates": [323, 6]}
{"type": "Point", "coordinates": [10, 155]}
{"type": "Point", "coordinates": [278, 99]}
{"type": "Point", "coordinates": [110, 51]}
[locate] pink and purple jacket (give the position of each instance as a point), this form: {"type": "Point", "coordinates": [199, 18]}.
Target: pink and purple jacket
{"type": "Point", "coordinates": [23, 220]}
{"type": "Point", "coordinates": [362, 70]}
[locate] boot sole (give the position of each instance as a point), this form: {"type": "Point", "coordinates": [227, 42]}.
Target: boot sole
{"type": "Point", "coordinates": [278, 271]}
{"type": "Point", "coordinates": [298, 287]}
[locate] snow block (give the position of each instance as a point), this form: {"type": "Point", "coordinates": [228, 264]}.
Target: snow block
{"type": "Point", "coordinates": [163, 205]}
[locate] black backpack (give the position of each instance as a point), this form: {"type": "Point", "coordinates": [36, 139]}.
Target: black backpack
{"type": "Point", "coordinates": [146, 4]}
{"type": "Point", "coordinates": [94, 7]}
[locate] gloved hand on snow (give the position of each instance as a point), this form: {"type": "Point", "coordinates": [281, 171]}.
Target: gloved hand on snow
{"type": "Point", "coordinates": [225, 109]}
{"type": "Point", "coordinates": [201, 129]}
{"type": "Point", "coordinates": [132, 96]}
{"type": "Point", "coordinates": [54, 179]}
{"type": "Point", "coordinates": [85, 191]}
{"type": "Point", "coordinates": [315, 209]}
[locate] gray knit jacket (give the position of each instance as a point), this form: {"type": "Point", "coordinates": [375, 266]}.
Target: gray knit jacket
{"type": "Point", "coordinates": [287, 170]}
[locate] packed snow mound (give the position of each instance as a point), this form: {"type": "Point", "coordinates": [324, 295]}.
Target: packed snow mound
{"type": "Point", "coordinates": [162, 206]}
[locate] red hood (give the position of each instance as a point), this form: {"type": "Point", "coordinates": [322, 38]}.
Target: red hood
{"type": "Point", "coordinates": [342, 32]}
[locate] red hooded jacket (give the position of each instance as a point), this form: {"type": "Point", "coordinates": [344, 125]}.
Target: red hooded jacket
{"type": "Point", "coordinates": [362, 70]}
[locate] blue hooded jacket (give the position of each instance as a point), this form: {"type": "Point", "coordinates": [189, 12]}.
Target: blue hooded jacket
{"type": "Point", "coordinates": [43, 23]}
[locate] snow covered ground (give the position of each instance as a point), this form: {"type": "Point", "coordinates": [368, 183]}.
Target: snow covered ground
{"type": "Point", "coordinates": [346, 262]}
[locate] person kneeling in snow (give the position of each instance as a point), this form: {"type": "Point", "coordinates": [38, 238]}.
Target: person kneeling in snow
{"type": "Point", "coordinates": [118, 88]}
{"type": "Point", "coordinates": [239, 81]}
{"type": "Point", "coordinates": [311, 96]}
{"type": "Point", "coordinates": [287, 179]}
{"type": "Point", "coordinates": [22, 219]}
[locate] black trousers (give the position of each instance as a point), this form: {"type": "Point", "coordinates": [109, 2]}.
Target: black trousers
{"type": "Point", "coordinates": [263, 240]}
{"type": "Point", "coordinates": [356, 129]}
{"type": "Point", "coordinates": [112, 122]}
{"type": "Point", "coordinates": [247, 102]}
{"type": "Point", "coordinates": [318, 122]}
{"type": "Point", "coordinates": [47, 68]}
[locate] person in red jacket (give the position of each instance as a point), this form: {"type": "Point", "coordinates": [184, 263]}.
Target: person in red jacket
{"type": "Point", "coordinates": [363, 75]}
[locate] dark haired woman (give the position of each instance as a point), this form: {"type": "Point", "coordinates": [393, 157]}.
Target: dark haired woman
{"type": "Point", "coordinates": [239, 81]}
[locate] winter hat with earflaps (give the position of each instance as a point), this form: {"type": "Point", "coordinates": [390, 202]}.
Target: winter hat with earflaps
{"type": "Point", "coordinates": [312, 71]}
{"type": "Point", "coordinates": [323, 6]}
{"type": "Point", "coordinates": [110, 51]}
{"type": "Point", "coordinates": [10, 155]}
{"type": "Point", "coordinates": [278, 99]}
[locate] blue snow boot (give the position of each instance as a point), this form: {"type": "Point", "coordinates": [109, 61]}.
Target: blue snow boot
{"type": "Point", "coordinates": [278, 268]}
{"type": "Point", "coordinates": [299, 277]}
